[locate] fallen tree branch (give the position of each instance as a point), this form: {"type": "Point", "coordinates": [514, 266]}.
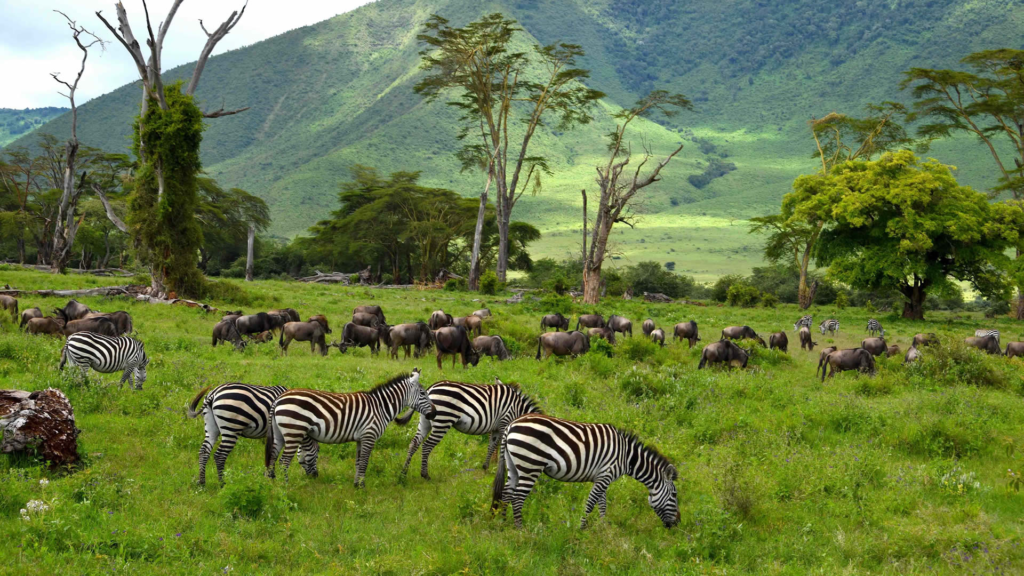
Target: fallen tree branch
{"type": "Point", "coordinates": [220, 113]}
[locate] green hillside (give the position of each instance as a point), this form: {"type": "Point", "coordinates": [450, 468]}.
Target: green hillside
{"type": "Point", "coordinates": [17, 123]}
{"type": "Point", "coordinates": [339, 92]}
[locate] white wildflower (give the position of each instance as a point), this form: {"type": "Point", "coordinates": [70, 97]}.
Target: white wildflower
{"type": "Point", "coordinates": [44, 482]}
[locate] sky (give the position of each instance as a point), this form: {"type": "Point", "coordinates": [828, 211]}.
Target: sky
{"type": "Point", "coordinates": [35, 41]}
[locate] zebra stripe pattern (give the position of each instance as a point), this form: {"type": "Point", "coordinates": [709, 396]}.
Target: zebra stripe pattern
{"type": "Point", "coordinates": [805, 321]}
{"type": "Point", "coordinates": [308, 417]}
{"type": "Point", "coordinates": [232, 411]}
{"type": "Point", "coordinates": [984, 333]}
{"type": "Point", "coordinates": [579, 452]}
{"type": "Point", "coordinates": [106, 354]}
{"type": "Point", "coordinates": [875, 326]}
{"type": "Point", "coordinates": [470, 409]}
{"type": "Point", "coordinates": [831, 326]}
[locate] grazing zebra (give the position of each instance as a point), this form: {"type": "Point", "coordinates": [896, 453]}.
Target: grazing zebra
{"type": "Point", "coordinates": [831, 326]}
{"type": "Point", "coordinates": [106, 354]}
{"type": "Point", "coordinates": [307, 417]}
{"type": "Point", "coordinates": [875, 326]}
{"type": "Point", "coordinates": [984, 333]}
{"type": "Point", "coordinates": [579, 452]}
{"type": "Point", "coordinates": [231, 411]}
{"type": "Point", "coordinates": [805, 321]}
{"type": "Point", "coordinates": [470, 409]}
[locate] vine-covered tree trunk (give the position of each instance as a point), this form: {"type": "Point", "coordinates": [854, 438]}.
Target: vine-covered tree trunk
{"type": "Point", "coordinates": [249, 261]}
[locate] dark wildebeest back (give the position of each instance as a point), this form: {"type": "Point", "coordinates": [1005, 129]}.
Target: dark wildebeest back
{"type": "Point", "coordinates": [75, 310]}
{"type": "Point", "coordinates": [590, 321]}
{"type": "Point", "coordinates": [806, 340]}
{"type": "Point", "coordinates": [277, 320]}
{"type": "Point", "coordinates": [291, 314]}
{"type": "Point", "coordinates": [354, 335]}
{"type": "Point", "coordinates": [29, 314]}
{"type": "Point", "coordinates": [606, 333]}
{"type": "Point", "coordinates": [253, 323]}
{"type": "Point", "coordinates": [1014, 349]}
{"type": "Point", "coordinates": [647, 327]}
{"type": "Point", "coordinates": [687, 331]}
{"type": "Point", "coordinates": [455, 340]}
{"type": "Point", "coordinates": [563, 344]}
{"type": "Point", "coordinates": [366, 319]}
{"type": "Point", "coordinates": [876, 346]}
{"type": "Point", "coordinates": [322, 320]}
{"type": "Point", "coordinates": [47, 325]}
{"type": "Point", "coordinates": [779, 340]}
{"type": "Point", "coordinates": [439, 319]}
{"type": "Point", "coordinates": [742, 333]}
{"type": "Point", "coordinates": [821, 358]}
{"type": "Point", "coordinates": [99, 325]}
{"type": "Point", "coordinates": [470, 323]}
{"type": "Point", "coordinates": [10, 303]}
{"type": "Point", "coordinates": [371, 309]}
{"type": "Point", "coordinates": [416, 334]}
{"type": "Point", "coordinates": [987, 343]}
{"type": "Point", "coordinates": [723, 351]}
{"type": "Point", "coordinates": [893, 350]}
{"type": "Point", "coordinates": [850, 359]}
{"type": "Point", "coordinates": [493, 346]}
{"type": "Point", "coordinates": [313, 332]}
{"type": "Point", "coordinates": [225, 331]}
{"type": "Point", "coordinates": [121, 319]}
{"type": "Point", "coordinates": [924, 340]}
{"type": "Point", "coordinates": [658, 335]}
{"type": "Point", "coordinates": [620, 324]}
{"type": "Point", "coordinates": [556, 321]}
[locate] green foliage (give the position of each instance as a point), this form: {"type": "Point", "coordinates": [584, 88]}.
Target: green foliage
{"type": "Point", "coordinates": [601, 347]}
{"type": "Point", "coordinates": [842, 301]}
{"type": "Point", "coordinates": [869, 307]}
{"type": "Point", "coordinates": [17, 123]}
{"type": "Point", "coordinates": [456, 285]}
{"type": "Point", "coordinates": [652, 277]}
{"type": "Point", "coordinates": [720, 289]}
{"type": "Point", "coordinates": [769, 300]}
{"type": "Point", "coordinates": [643, 383]}
{"type": "Point", "coordinates": [555, 303]}
{"type": "Point", "coordinates": [489, 283]}
{"type": "Point", "coordinates": [743, 294]}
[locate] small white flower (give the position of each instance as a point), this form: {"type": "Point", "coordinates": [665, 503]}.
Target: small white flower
{"type": "Point", "coordinates": [44, 482]}
{"type": "Point", "coordinates": [24, 514]}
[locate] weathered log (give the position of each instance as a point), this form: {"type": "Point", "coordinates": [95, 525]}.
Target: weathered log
{"type": "Point", "coordinates": [657, 297]}
{"type": "Point", "coordinates": [39, 423]}
{"type": "Point", "coordinates": [96, 272]}
{"type": "Point", "coordinates": [329, 278]}
{"type": "Point", "coordinates": [102, 291]}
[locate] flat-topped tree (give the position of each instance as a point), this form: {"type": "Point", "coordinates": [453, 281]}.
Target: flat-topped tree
{"type": "Point", "coordinates": [168, 133]}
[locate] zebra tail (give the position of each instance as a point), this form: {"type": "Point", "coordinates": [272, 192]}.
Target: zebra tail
{"type": "Point", "coordinates": [268, 450]}
{"type": "Point", "coordinates": [498, 488]}
{"type": "Point", "coordinates": [403, 420]}
{"type": "Point", "coordinates": [192, 412]}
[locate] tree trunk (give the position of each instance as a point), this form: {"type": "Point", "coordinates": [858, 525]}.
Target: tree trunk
{"type": "Point", "coordinates": [478, 238]}
{"type": "Point", "coordinates": [21, 250]}
{"type": "Point", "coordinates": [1020, 304]}
{"type": "Point", "coordinates": [502, 245]}
{"type": "Point", "coordinates": [157, 281]}
{"type": "Point", "coordinates": [592, 285]}
{"type": "Point", "coordinates": [249, 260]}
{"type": "Point", "coordinates": [583, 257]}
{"type": "Point", "coordinates": [913, 308]}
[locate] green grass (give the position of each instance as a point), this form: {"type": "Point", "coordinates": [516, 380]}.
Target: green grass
{"type": "Point", "coordinates": [779, 474]}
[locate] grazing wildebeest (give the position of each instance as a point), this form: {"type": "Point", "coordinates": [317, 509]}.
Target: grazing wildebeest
{"type": "Point", "coordinates": [278, 319]}
{"type": "Point", "coordinates": [262, 337]}
{"type": "Point", "coordinates": [121, 319]}
{"type": "Point", "coordinates": [406, 335]}
{"type": "Point", "coordinates": [647, 327]}
{"type": "Point", "coordinates": [470, 323]}
{"type": "Point", "coordinates": [225, 331]}
{"type": "Point", "coordinates": [321, 319]}
{"type": "Point", "coordinates": [876, 346]}
{"type": "Point", "coordinates": [313, 332]}
{"type": "Point", "coordinates": [724, 351]}
{"type": "Point", "coordinates": [779, 340]}
{"type": "Point", "coordinates": [355, 336]}
{"type": "Point", "coordinates": [439, 319]}
{"type": "Point", "coordinates": [620, 324]}
{"type": "Point", "coordinates": [455, 340]}
{"type": "Point", "coordinates": [688, 331]}
{"type": "Point", "coordinates": [493, 346]}
{"type": "Point", "coordinates": [658, 335]}
{"type": "Point", "coordinates": [606, 333]}
{"type": "Point", "coordinates": [913, 355]}
{"type": "Point", "coordinates": [849, 359]}
{"type": "Point", "coordinates": [371, 309]}
{"type": "Point", "coordinates": [47, 325]}
{"type": "Point", "coordinates": [806, 343]}
{"type": "Point", "coordinates": [742, 333]}
{"type": "Point", "coordinates": [563, 344]}
{"type": "Point", "coordinates": [821, 359]}
{"type": "Point", "coordinates": [987, 343]}
{"type": "Point", "coordinates": [482, 313]}
{"type": "Point", "coordinates": [925, 339]}
{"type": "Point", "coordinates": [1014, 349]}
{"type": "Point", "coordinates": [290, 313]}
{"type": "Point", "coordinates": [590, 321]}
{"type": "Point", "coordinates": [556, 321]}
{"type": "Point", "coordinates": [75, 310]}
{"type": "Point", "coordinates": [29, 314]}
{"type": "Point", "coordinates": [366, 319]}
{"type": "Point", "coordinates": [253, 323]}
{"type": "Point", "coordinates": [893, 350]}
{"type": "Point", "coordinates": [95, 325]}
{"type": "Point", "coordinates": [10, 303]}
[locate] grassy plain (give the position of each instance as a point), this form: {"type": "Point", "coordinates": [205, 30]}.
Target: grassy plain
{"type": "Point", "coordinates": [903, 473]}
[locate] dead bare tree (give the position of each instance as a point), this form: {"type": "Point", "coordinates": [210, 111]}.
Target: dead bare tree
{"type": "Point", "coordinates": [66, 227]}
{"type": "Point", "coordinates": [616, 195]}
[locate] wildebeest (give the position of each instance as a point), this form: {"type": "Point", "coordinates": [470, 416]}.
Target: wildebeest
{"type": "Point", "coordinates": [688, 331]}
{"type": "Point", "coordinates": [47, 325]}
{"type": "Point", "coordinates": [493, 346]}
{"type": "Point", "coordinates": [876, 346]}
{"type": "Point", "coordinates": [455, 340]}
{"type": "Point", "coordinates": [313, 332]}
{"type": "Point", "coordinates": [10, 303]}
{"type": "Point", "coordinates": [556, 321]}
{"type": "Point", "coordinates": [590, 321]}
{"type": "Point", "coordinates": [366, 319]}
{"type": "Point", "coordinates": [893, 350]}
{"type": "Point", "coordinates": [987, 343]}
{"type": "Point", "coordinates": [742, 333]}
{"type": "Point", "coordinates": [821, 358]}
{"type": "Point", "coordinates": [779, 340]}
{"type": "Point", "coordinates": [406, 335]}
{"type": "Point", "coordinates": [482, 313]}
{"type": "Point", "coordinates": [849, 359]}
{"type": "Point", "coordinates": [470, 323]}
{"type": "Point", "coordinates": [925, 339]}
{"type": "Point", "coordinates": [262, 337]}
{"type": "Point", "coordinates": [29, 314]}
{"type": "Point", "coordinates": [254, 323]}
{"type": "Point", "coordinates": [1014, 349]}
{"type": "Point", "coordinates": [913, 355]}
{"type": "Point", "coordinates": [121, 319]}
{"type": "Point", "coordinates": [290, 313]}
{"type": "Point", "coordinates": [97, 325]}
{"type": "Point", "coordinates": [606, 333]}
{"type": "Point", "coordinates": [75, 310]}
{"type": "Point", "coordinates": [806, 343]}
{"type": "Point", "coordinates": [225, 331]}
{"type": "Point", "coordinates": [439, 319]}
{"type": "Point", "coordinates": [620, 324]}
{"type": "Point", "coordinates": [647, 327]}
{"type": "Point", "coordinates": [322, 320]}
{"type": "Point", "coordinates": [356, 336]}
{"type": "Point", "coordinates": [562, 344]}
{"type": "Point", "coordinates": [724, 351]}
{"type": "Point", "coordinates": [658, 335]}
{"type": "Point", "coordinates": [371, 309]}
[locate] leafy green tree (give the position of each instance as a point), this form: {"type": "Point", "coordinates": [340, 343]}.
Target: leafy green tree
{"type": "Point", "coordinates": [227, 217]}
{"type": "Point", "coordinates": [898, 223]}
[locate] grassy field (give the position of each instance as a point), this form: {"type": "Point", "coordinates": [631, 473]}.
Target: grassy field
{"type": "Point", "coordinates": [903, 473]}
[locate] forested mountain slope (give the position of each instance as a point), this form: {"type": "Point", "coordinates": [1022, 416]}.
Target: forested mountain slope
{"type": "Point", "coordinates": [17, 123]}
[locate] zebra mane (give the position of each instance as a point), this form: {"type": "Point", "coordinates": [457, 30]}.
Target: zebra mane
{"type": "Point", "coordinates": [529, 399]}
{"type": "Point", "coordinates": [400, 379]}
{"type": "Point", "coordinates": [659, 458]}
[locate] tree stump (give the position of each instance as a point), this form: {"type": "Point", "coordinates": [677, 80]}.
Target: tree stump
{"type": "Point", "coordinates": [40, 423]}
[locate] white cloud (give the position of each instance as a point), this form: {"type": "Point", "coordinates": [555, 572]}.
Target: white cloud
{"type": "Point", "coordinates": [35, 41]}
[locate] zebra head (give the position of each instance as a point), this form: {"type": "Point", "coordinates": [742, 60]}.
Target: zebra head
{"type": "Point", "coordinates": [662, 496]}
{"type": "Point", "coordinates": [140, 368]}
{"type": "Point", "coordinates": [416, 396]}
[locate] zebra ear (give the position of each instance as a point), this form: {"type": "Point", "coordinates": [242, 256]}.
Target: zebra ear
{"type": "Point", "coordinates": [673, 474]}
{"type": "Point", "coordinates": [497, 381]}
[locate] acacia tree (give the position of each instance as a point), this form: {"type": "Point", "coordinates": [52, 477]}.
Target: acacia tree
{"type": "Point", "coordinates": [19, 174]}
{"type": "Point", "coordinates": [504, 97]}
{"type": "Point", "coordinates": [617, 192]}
{"type": "Point", "coordinates": [167, 136]}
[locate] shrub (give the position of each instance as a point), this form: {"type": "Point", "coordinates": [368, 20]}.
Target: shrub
{"type": "Point", "coordinates": [141, 279]}
{"type": "Point", "coordinates": [353, 279]}
{"type": "Point", "coordinates": [489, 283]}
{"type": "Point", "coordinates": [552, 303]}
{"type": "Point", "coordinates": [558, 284]}
{"type": "Point", "coordinates": [643, 383]}
{"type": "Point", "coordinates": [638, 349]}
{"type": "Point", "coordinates": [842, 301]}
{"type": "Point", "coordinates": [869, 307]}
{"type": "Point", "coordinates": [245, 499]}
{"type": "Point", "coordinates": [455, 285]}
{"type": "Point", "coordinates": [601, 347]}
{"type": "Point", "coordinates": [1000, 308]}
{"type": "Point", "coordinates": [743, 294]}
{"type": "Point", "coordinates": [769, 300]}
{"type": "Point", "coordinates": [227, 292]}
{"type": "Point", "coordinates": [720, 290]}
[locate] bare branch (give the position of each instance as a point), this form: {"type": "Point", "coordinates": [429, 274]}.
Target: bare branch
{"type": "Point", "coordinates": [211, 43]}
{"type": "Point", "coordinates": [111, 215]}
{"type": "Point", "coordinates": [222, 112]}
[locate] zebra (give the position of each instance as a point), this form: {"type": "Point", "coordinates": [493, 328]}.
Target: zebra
{"type": "Point", "coordinates": [830, 325]}
{"type": "Point", "coordinates": [580, 452]}
{"type": "Point", "coordinates": [805, 321]}
{"type": "Point", "coordinates": [470, 409]}
{"type": "Point", "coordinates": [308, 417]}
{"type": "Point", "coordinates": [106, 354]}
{"type": "Point", "coordinates": [875, 326]}
{"type": "Point", "coordinates": [984, 333]}
{"type": "Point", "coordinates": [231, 410]}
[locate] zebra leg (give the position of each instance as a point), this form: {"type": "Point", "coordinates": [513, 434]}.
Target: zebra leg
{"type": "Point", "coordinates": [421, 433]}
{"type": "Point", "coordinates": [275, 449]}
{"type": "Point", "coordinates": [291, 446]}
{"type": "Point", "coordinates": [436, 434]}
{"type": "Point", "coordinates": [310, 456]}
{"type": "Point", "coordinates": [523, 488]}
{"type": "Point", "coordinates": [492, 446]}
{"type": "Point", "coordinates": [510, 485]}
{"type": "Point", "coordinates": [228, 439]}
{"type": "Point", "coordinates": [365, 447]}
{"type": "Point", "coordinates": [596, 497]}
{"type": "Point", "coordinates": [212, 432]}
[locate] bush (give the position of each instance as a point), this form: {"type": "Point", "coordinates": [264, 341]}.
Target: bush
{"type": "Point", "coordinates": [227, 292]}
{"type": "Point", "coordinates": [720, 290]}
{"type": "Point", "coordinates": [869, 307]}
{"type": "Point", "coordinates": [643, 383]}
{"type": "Point", "coordinates": [141, 279]}
{"type": "Point", "coordinates": [489, 283]}
{"type": "Point", "coordinates": [353, 279]}
{"type": "Point", "coordinates": [558, 284]}
{"type": "Point", "coordinates": [652, 277]}
{"type": "Point", "coordinates": [552, 303]}
{"type": "Point", "coordinates": [1000, 308]}
{"type": "Point", "coordinates": [638, 349]}
{"type": "Point", "coordinates": [455, 285]}
{"type": "Point", "coordinates": [601, 347]}
{"type": "Point", "coordinates": [743, 294]}
{"type": "Point", "coordinates": [245, 499]}
{"type": "Point", "coordinates": [769, 300]}
{"type": "Point", "coordinates": [842, 301]}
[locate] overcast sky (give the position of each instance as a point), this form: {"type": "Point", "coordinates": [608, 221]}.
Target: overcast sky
{"type": "Point", "coordinates": [35, 41]}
